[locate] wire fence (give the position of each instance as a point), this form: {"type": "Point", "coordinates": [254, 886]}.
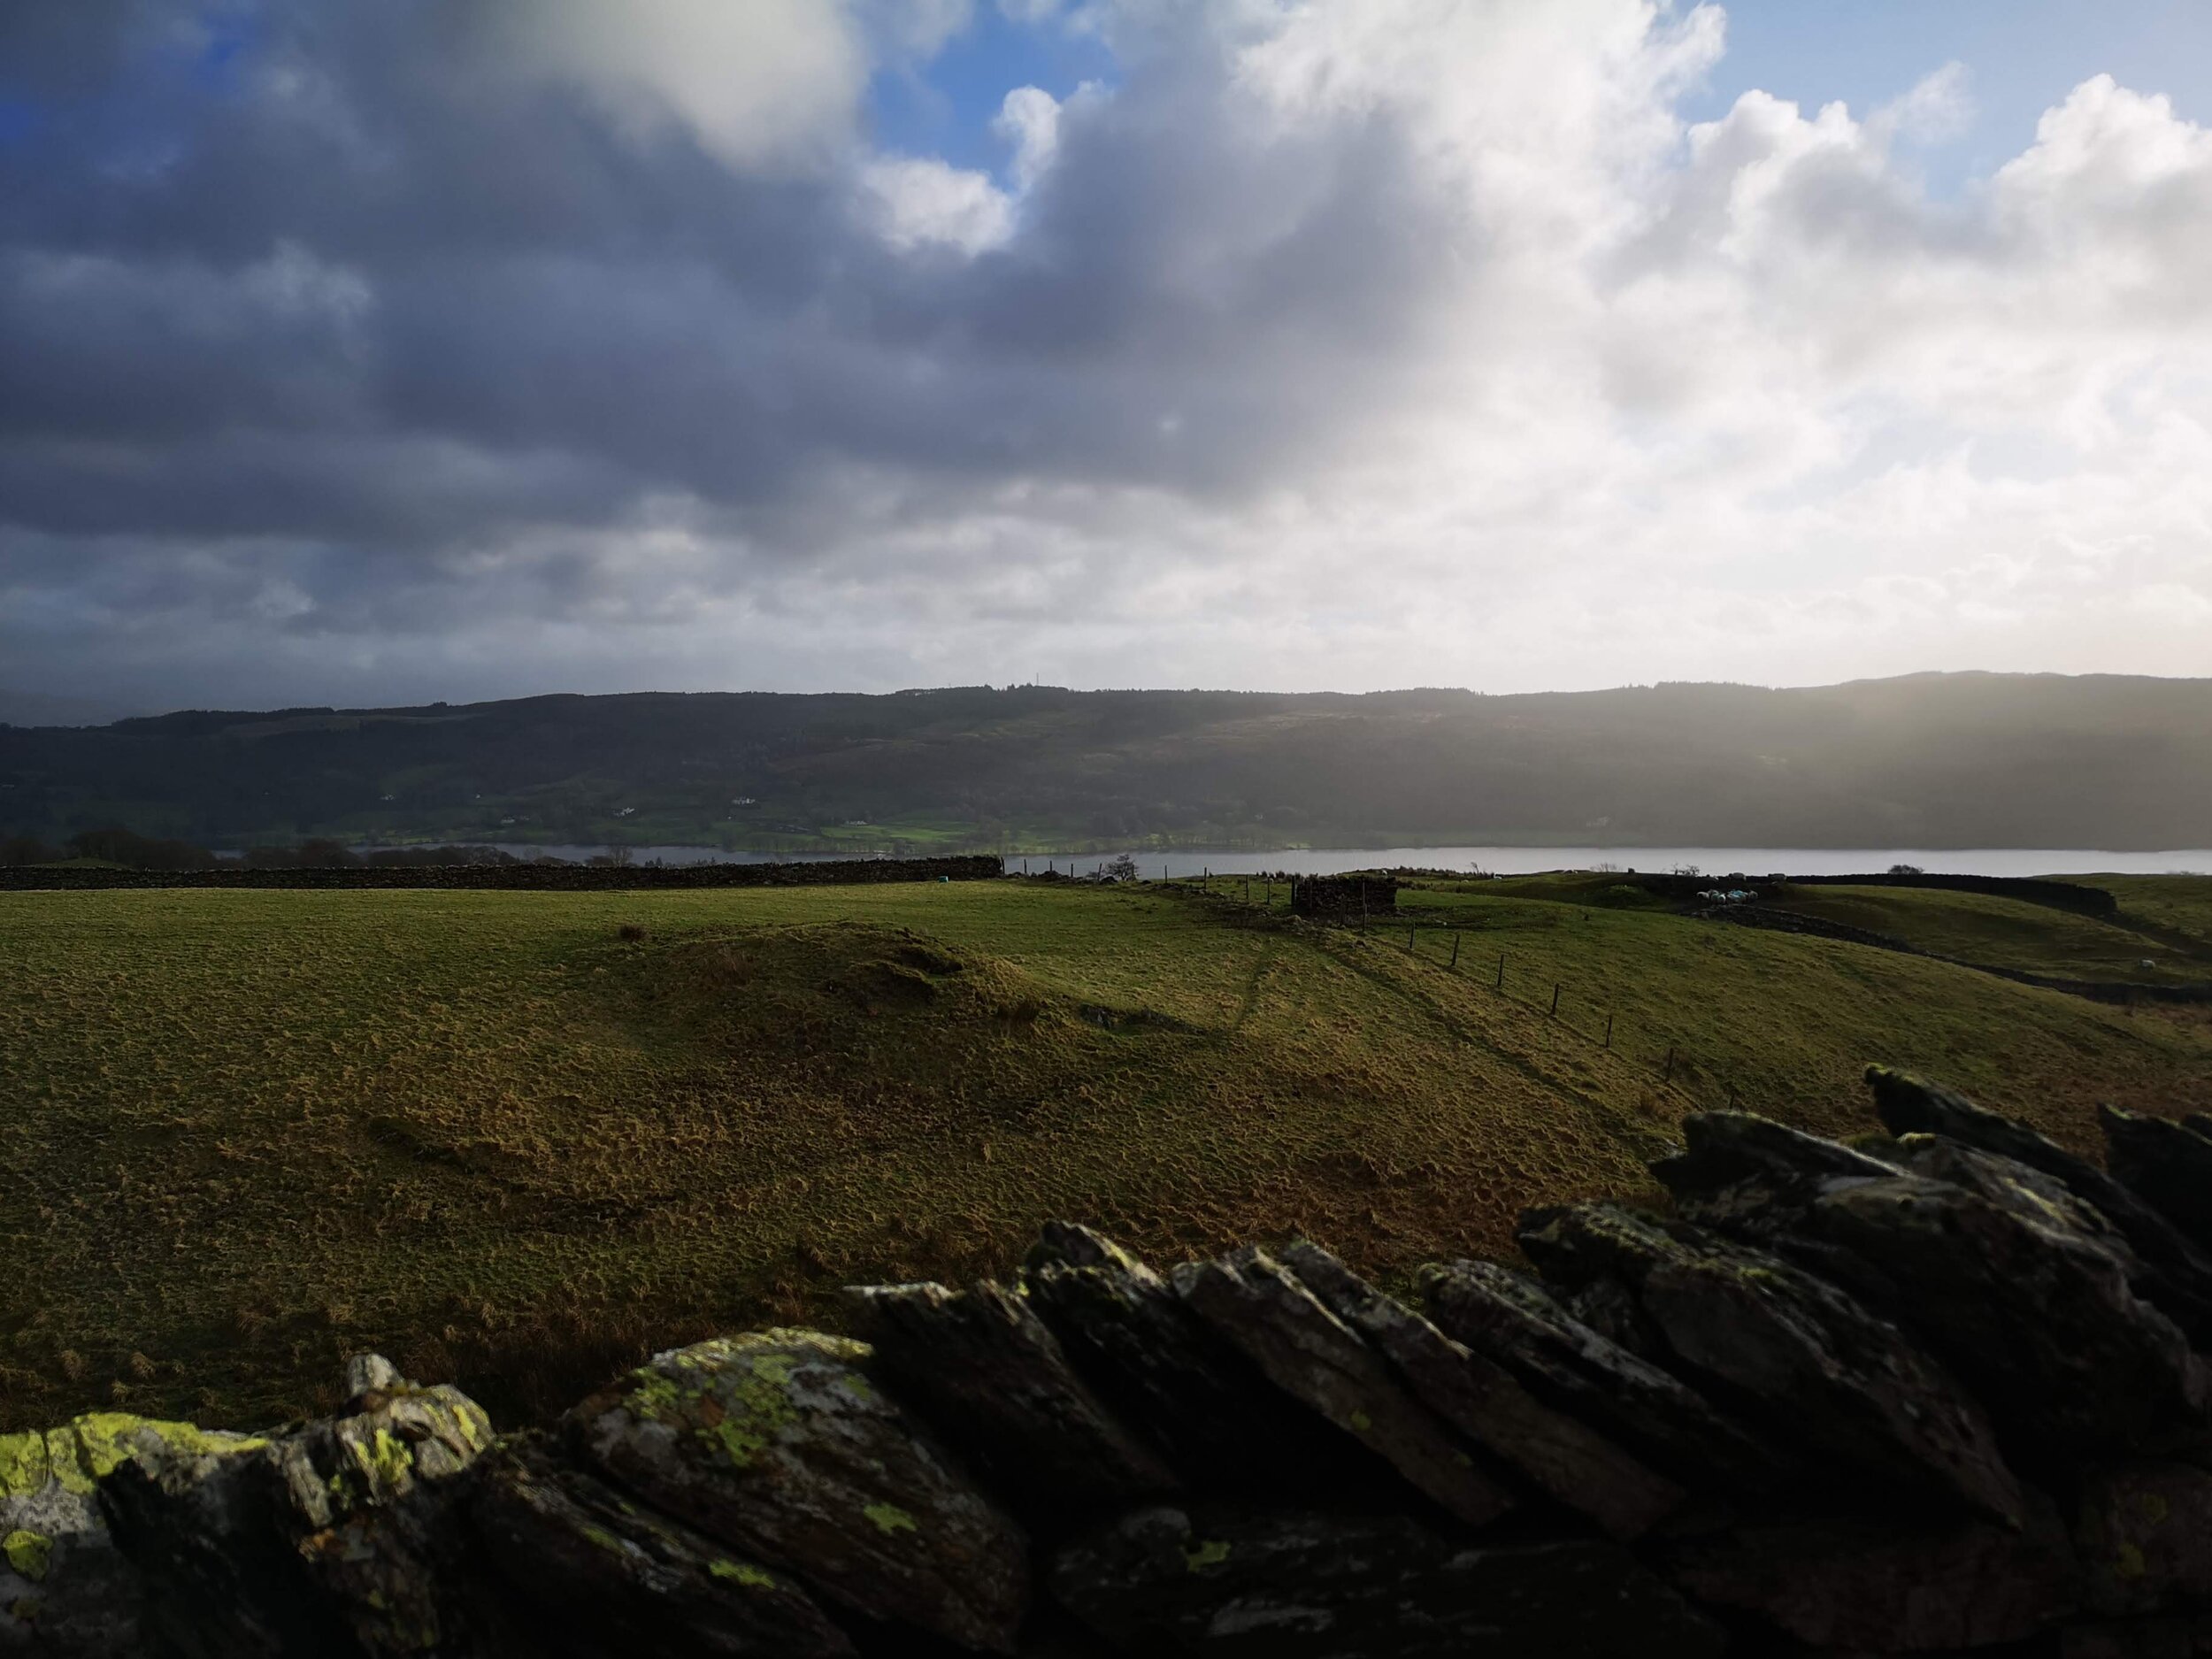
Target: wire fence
{"type": "Point", "coordinates": [1670, 1060]}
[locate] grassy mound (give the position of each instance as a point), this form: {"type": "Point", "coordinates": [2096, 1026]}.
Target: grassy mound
{"type": "Point", "coordinates": [519, 1139]}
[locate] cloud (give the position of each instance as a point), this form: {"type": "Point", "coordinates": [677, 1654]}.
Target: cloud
{"type": "Point", "coordinates": [760, 83]}
{"type": "Point", "coordinates": [1344, 342]}
{"type": "Point", "coordinates": [919, 201]}
{"type": "Point", "coordinates": [1029, 120]}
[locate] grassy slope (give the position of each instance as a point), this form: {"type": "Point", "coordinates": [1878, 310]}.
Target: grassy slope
{"type": "Point", "coordinates": [251, 1131]}
{"type": "Point", "coordinates": [2007, 933]}
{"type": "Point", "coordinates": [2180, 905]}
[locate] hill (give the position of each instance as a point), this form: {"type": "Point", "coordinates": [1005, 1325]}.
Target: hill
{"type": "Point", "coordinates": [493, 1133]}
{"type": "Point", "coordinates": [1949, 760]}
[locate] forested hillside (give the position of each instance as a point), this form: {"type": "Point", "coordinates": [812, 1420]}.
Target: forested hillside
{"type": "Point", "coordinates": [1927, 760]}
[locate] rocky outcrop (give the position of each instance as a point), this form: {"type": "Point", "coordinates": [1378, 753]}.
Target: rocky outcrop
{"type": "Point", "coordinates": [1929, 1394]}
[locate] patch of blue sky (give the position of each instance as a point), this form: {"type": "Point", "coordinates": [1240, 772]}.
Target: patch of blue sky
{"type": "Point", "coordinates": [2021, 58]}
{"type": "Point", "coordinates": [225, 40]}
{"type": "Point", "coordinates": [19, 118]}
{"type": "Point", "coordinates": [945, 108]}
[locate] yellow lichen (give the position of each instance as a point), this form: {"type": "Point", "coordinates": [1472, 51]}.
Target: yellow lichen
{"type": "Point", "coordinates": [741, 1572]}
{"type": "Point", "coordinates": [107, 1440]}
{"type": "Point", "coordinates": [24, 1468]}
{"type": "Point", "coordinates": [2127, 1560]}
{"type": "Point", "coordinates": [1209, 1553]}
{"type": "Point", "coordinates": [889, 1519]}
{"type": "Point", "coordinates": [385, 1461]}
{"type": "Point", "coordinates": [64, 1461]}
{"type": "Point", "coordinates": [28, 1552]}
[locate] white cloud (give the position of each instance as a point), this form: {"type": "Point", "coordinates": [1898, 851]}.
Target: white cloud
{"type": "Point", "coordinates": [1029, 120]}
{"type": "Point", "coordinates": [917, 201]}
{"type": "Point", "coordinates": [757, 83]}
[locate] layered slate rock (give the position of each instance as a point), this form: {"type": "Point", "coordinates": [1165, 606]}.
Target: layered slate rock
{"type": "Point", "coordinates": [2176, 1275]}
{"type": "Point", "coordinates": [1290, 1585]}
{"type": "Point", "coordinates": [780, 1444]}
{"type": "Point", "coordinates": [1572, 1464]}
{"type": "Point", "coordinates": [2144, 1532]}
{"type": "Point", "coordinates": [2168, 1165]}
{"type": "Point", "coordinates": [1721, 1150]}
{"type": "Point", "coordinates": [1311, 1354]}
{"type": "Point", "coordinates": [604, 1577]}
{"type": "Point", "coordinates": [986, 1367]}
{"type": "Point", "coordinates": [1159, 1365]}
{"type": "Point", "coordinates": [1820, 1368]}
{"type": "Point", "coordinates": [1878, 1586]}
{"type": "Point", "coordinates": [2022, 1288]}
{"type": "Point", "coordinates": [1501, 1314]}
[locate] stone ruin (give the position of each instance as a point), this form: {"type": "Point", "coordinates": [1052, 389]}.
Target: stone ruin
{"type": "Point", "coordinates": [1940, 1390]}
{"type": "Point", "coordinates": [1347, 901]}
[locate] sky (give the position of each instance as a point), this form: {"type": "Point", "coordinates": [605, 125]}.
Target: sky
{"type": "Point", "coordinates": [377, 351]}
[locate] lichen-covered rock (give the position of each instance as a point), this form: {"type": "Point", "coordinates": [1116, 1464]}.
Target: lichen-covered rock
{"type": "Point", "coordinates": [1319, 1361]}
{"type": "Point", "coordinates": [996, 1383]}
{"type": "Point", "coordinates": [1300, 1586]}
{"type": "Point", "coordinates": [1883, 1586]}
{"type": "Point", "coordinates": [602, 1578]}
{"type": "Point", "coordinates": [1826, 1373]}
{"type": "Point", "coordinates": [2169, 1166]}
{"type": "Point", "coordinates": [1506, 1318]}
{"type": "Point", "coordinates": [2144, 1532]}
{"type": "Point", "coordinates": [2177, 1277]}
{"type": "Point", "coordinates": [354, 1493]}
{"type": "Point", "coordinates": [1569, 1462]}
{"type": "Point", "coordinates": [780, 1444]}
{"type": "Point", "coordinates": [205, 1523]}
{"type": "Point", "coordinates": [1221, 1423]}
{"type": "Point", "coordinates": [66, 1589]}
{"type": "Point", "coordinates": [326, 1534]}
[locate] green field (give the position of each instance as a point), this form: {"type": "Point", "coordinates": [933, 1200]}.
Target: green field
{"type": "Point", "coordinates": [490, 1134]}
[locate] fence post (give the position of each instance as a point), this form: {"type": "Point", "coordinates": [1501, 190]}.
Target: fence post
{"type": "Point", "coordinates": [1455, 951]}
{"type": "Point", "coordinates": [1500, 971]}
{"type": "Point", "coordinates": [1608, 1031]}
{"type": "Point", "coordinates": [1554, 999]}
{"type": "Point", "coordinates": [1667, 1076]}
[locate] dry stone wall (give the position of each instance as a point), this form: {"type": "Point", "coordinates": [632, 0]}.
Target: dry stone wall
{"type": "Point", "coordinates": [1939, 1391]}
